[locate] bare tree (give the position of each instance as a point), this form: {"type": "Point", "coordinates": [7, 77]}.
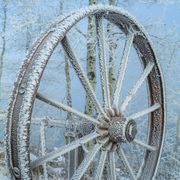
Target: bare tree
{"type": "Point", "coordinates": [28, 37]}
{"type": "Point", "coordinates": [5, 3]}
{"type": "Point", "coordinates": [112, 54]}
{"type": "Point", "coordinates": [177, 134]}
{"type": "Point", "coordinates": [91, 57]}
{"type": "Point", "coordinates": [91, 71]}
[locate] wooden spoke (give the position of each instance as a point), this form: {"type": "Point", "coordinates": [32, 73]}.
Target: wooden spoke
{"type": "Point", "coordinates": [151, 148]}
{"type": "Point", "coordinates": [123, 156]}
{"type": "Point", "coordinates": [65, 108]}
{"type": "Point", "coordinates": [43, 148]}
{"type": "Point", "coordinates": [100, 168]}
{"type": "Point", "coordinates": [133, 91]}
{"type": "Point", "coordinates": [85, 163]}
{"type": "Point", "coordinates": [81, 74]}
{"type": "Point", "coordinates": [122, 70]}
{"type": "Point", "coordinates": [102, 61]}
{"type": "Point", "coordinates": [64, 149]}
{"type": "Point", "coordinates": [145, 111]}
{"type": "Point", "coordinates": [112, 165]}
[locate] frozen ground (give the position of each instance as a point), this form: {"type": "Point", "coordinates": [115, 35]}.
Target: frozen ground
{"type": "Point", "coordinates": [3, 169]}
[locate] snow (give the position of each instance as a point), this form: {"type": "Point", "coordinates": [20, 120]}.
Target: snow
{"type": "Point", "coordinates": [60, 30]}
{"type": "Point", "coordinates": [3, 177]}
{"type": "Point", "coordinates": [3, 170]}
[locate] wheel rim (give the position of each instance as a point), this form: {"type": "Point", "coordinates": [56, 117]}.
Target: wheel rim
{"type": "Point", "coordinates": [19, 117]}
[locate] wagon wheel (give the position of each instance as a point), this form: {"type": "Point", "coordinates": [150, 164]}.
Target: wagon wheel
{"type": "Point", "coordinates": [112, 128]}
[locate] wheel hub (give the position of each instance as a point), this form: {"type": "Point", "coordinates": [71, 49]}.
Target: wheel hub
{"type": "Point", "coordinates": [122, 130]}
{"type": "Point", "coordinates": [118, 128]}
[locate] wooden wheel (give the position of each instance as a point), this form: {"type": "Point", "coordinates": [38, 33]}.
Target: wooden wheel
{"type": "Point", "coordinates": [110, 128]}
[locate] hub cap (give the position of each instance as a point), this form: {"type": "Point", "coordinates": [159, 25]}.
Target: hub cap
{"type": "Point", "coordinates": [118, 129]}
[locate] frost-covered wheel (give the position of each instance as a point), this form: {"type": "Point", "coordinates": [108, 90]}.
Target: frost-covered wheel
{"type": "Point", "coordinates": [116, 136]}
